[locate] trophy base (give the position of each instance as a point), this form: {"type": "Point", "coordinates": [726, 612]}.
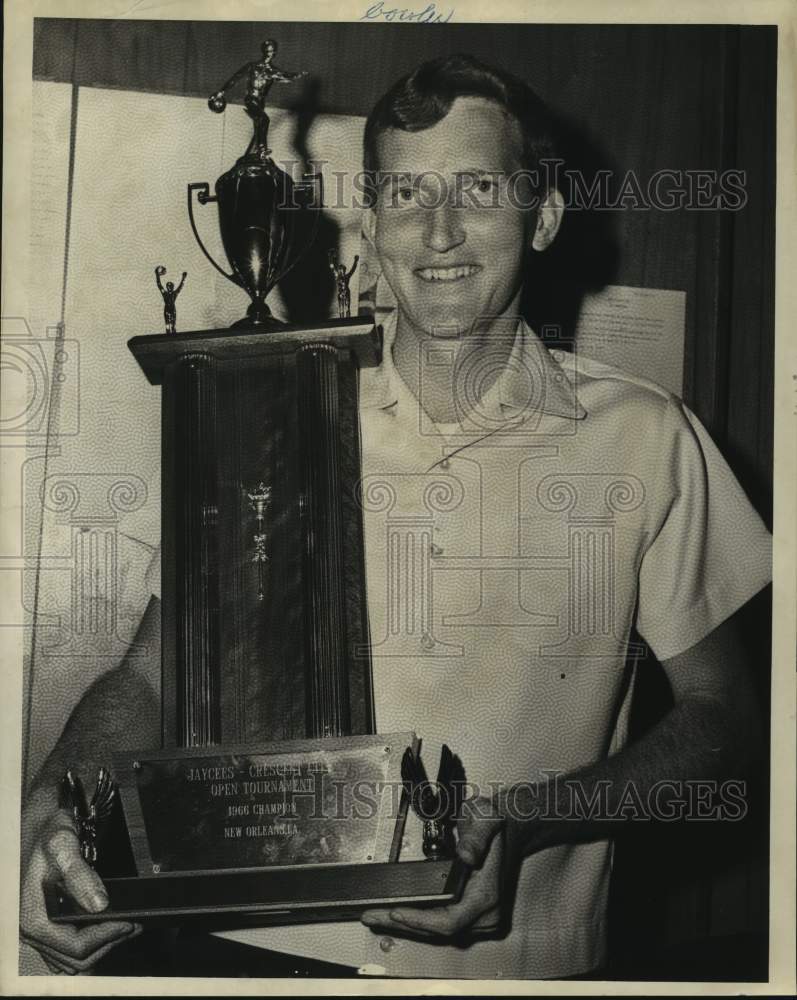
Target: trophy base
{"type": "Point", "coordinates": [278, 833]}
{"type": "Point", "coordinates": [257, 346]}
{"type": "Point", "coordinates": [270, 896]}
{"type": "Point", "coordinates": [258, 315]}
{"type": "Point", "coordinates": [260, 325]}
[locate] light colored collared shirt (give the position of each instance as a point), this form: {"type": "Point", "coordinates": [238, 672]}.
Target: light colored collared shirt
{"type": "Point", "coordinates": [508, 556]}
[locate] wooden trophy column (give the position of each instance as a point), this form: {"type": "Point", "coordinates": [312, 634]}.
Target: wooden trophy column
{"type": "Point", "coordinates": [265, 631]}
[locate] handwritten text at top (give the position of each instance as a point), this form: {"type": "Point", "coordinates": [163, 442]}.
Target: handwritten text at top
{"type": "Point", "coordinates": [428, 15]}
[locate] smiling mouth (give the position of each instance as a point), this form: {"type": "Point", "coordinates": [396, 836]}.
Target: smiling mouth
{"type": "Point", "coordinates": [432, 274]}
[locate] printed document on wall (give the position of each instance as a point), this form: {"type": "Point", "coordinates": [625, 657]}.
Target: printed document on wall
{"type": "Point", "coordinates": [640, 330]}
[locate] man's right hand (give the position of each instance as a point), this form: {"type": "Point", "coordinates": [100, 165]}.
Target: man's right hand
{"type": "Point", "coordinates": [55, 858]}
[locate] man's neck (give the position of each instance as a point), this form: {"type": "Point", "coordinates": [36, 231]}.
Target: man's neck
{"type": "Point", "coordinates": [441, 387]}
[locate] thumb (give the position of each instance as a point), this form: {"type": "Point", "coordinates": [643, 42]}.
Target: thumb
{"type": "Point", "coordinates": [66, 862]}
{"type": "Point", "coordinates": [476, 830]}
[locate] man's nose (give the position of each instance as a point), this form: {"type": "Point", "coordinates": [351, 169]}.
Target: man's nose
{"type": "Point", "coordinates": [444, 228]}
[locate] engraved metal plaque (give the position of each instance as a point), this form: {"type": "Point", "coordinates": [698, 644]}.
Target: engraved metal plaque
{"type": "Point", "coordinates": [301, 802]}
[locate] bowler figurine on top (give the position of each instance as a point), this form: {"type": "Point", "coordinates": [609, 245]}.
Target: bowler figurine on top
{"type": "Point", "coordinates": [89, 818]}
{"type": "Point", "coordinates": [260, 75]}
{"type": "Point", "coordinates": [268, 725]}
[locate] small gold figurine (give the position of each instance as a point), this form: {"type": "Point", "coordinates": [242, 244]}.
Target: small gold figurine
{"type": "Point", "coordinates": [436, 803]}
{"type": "Point", "coordinates": [169, 294]}
{"type": "Point", "coordinates": [342, 279]}
{"type": "Point", "coordinates": [89, 819]}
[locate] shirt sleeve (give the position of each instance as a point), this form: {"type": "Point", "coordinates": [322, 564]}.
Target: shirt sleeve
{"type": "Point", "coordinates": [711, 552]}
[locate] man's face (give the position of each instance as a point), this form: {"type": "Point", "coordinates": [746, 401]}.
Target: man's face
{"type": "Point", "coordinates": [450, 243]}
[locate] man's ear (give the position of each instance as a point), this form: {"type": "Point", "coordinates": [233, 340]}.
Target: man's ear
{"type": "Point", "coordinates": [549, 219]}
{"type": "Point", "coordinates": [369, 225]}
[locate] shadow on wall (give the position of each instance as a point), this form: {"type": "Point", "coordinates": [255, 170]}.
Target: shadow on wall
{"type": "Point", "coordinates": [307, 289]}
{"type": "Point", "coordinates": [585, 255]}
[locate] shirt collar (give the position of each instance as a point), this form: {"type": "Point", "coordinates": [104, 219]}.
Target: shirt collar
{"type": "Point", "coordinates": [532, 381]}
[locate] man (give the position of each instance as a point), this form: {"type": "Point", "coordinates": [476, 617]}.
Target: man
{"type": "Point", "coordinates": [534, 508]}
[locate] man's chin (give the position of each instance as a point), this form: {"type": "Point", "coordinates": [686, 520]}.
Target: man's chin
{"type": "Point", "coordinates": [442, 324]}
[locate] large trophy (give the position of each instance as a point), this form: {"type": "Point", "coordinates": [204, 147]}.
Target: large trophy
{"type": "Point", "coordinates": [271, 799]}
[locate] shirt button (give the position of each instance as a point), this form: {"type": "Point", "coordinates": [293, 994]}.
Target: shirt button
{"type": "Point", "coordinates": [386, 943]}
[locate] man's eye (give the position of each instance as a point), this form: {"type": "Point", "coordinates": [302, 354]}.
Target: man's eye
{"type": "Point", "coordinates": [484, 185]}
{"type": "Point", "coordinates": [406, 194]}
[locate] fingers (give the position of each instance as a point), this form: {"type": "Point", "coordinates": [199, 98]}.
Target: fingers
{"type": "Point", "coordinates": [73, 944]}
{"type": "Point", "coordinates": [474, 842]}
{"type": "Point", "coordinates": [85, 952]}
{"type": "Point", "coordinates": [64, 943]}
{"type": "Point", "coordinates": [406, 922]}
{"type": "Point", "coordinates": [380, 920]}
{"type": "Point", "coordinates": [436, 922]}
{"type": "Point", "coordinates": [68, 948]}
{"type": "Point", "coordinates": [477, 910]}
{"type": "Point", "coordinates": [476, 829]}
{"type": "Point", "coordinates": [56, 967]}
{"type": "Point", "coordinates": [81, 882]}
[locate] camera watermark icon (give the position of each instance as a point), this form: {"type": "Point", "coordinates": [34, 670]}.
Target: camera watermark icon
{"type": "Point", "coordinates": [40, 380]}
{"type": "Point", "coordinates": [502, 382]}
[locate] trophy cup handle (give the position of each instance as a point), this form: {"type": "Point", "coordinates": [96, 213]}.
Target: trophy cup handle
{"type": "Point", "coordinates": [203, 197]}
{"type": "Point", "coordinates": [312, 184]}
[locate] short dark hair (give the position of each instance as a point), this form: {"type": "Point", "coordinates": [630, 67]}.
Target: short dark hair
{"type": "Point", "coordinates": [424, 97]}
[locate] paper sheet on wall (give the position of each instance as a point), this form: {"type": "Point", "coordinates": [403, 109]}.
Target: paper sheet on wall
{"type": "Point", "coordinates": [640, 330]}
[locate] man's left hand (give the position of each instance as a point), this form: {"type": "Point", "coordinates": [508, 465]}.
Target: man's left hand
{"type": "Point", "coordinates": [478, 911]}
